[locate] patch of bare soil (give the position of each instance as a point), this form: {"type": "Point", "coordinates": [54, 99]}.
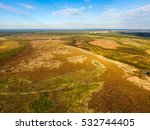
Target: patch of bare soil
{"type": "Point", "coordinates": [77, 59]}
{"type": "Point", "coordinates": [107, 44]}
{"type": "Point", "coordinates": [61, 51]}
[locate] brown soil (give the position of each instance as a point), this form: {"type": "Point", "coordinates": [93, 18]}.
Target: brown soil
{"type": "Point", "coordinates": [108, 44]}
{"type": "Point", "coordinates": [118, 94]}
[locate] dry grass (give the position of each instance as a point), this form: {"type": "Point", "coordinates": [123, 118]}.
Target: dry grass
{"type": "Point", "coordinates": [37, 36]}
{"type": "Point", "coordinates": [53, 77]}
{"type": "Point", "coordinates": [118, 94]}
{"type": "Point", "coordinates": [9, 45]}
{"type": "Point", "coordinates": [131, 42]}
{"type": "Point", "coordinates": [49, 59]}
{"type": "Point", "coordinates": [107, 44]}
{"type": "Point", "coordinates": [142, 40]}
{"type": "Point", "coordinates": [3, 38]}
{"type": "Point", "coordinates": [148, 51]}
{"type": "Point", "coordinates": [68, 75]}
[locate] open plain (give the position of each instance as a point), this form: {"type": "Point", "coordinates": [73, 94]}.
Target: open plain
{"type": "Point", "coordinates": [76, 72]}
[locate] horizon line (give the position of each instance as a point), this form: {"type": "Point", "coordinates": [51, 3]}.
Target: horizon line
{"type": "Point", "coordinates": [71, 29]}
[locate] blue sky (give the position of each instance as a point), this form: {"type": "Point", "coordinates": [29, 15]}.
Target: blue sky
{"type": "Point", "coordinates": [74, 14]}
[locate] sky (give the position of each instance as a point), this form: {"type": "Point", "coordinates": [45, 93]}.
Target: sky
{"type": "Point", "coordinates": [74, 14]}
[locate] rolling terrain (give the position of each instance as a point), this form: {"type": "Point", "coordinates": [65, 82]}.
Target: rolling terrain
{"type": "Point", "coordinates": [74, 72]}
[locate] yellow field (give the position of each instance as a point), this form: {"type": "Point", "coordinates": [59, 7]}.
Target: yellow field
{"type": "Point", "coordinates": [9, 45]}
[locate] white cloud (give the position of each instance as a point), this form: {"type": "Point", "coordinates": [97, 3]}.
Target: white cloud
{"type": "Point", "coordinates": [110, 13]}
{"type": "Point", "coordinates": [68, 12]}
{"type": "Point", "coordinates": [10, 9]}
{"type": "Point", "coordinates": [27, 6]}
{"type": "Point", "coordinates": [143, 11]}
{"type": "Point", "coordinates": [133, 18]}
{"type": "Point", "coordinates": [140, 11]}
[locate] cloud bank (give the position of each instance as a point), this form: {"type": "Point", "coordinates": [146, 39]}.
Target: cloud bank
{"type": "Point", "coordinates": [27, 6]}
{"type": "Point", "coordinates": [68, 12]}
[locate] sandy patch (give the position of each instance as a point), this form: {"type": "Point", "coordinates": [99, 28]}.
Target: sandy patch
{"type": "Point", "coordinates": [140, 82]}
{"type": "Point", "coordinates": [97, 64]}
{"type": "Point", "coordinates": [31, 65]}
{"type": "Point", "coordinates": [108, 44]}
{"type": "Point", "coordinates": [62, 51]}
{"type": "Point", "coordinates": [36, 61]}
{"type": "Point", "coordinates": [96, 32]}
{"type": "Point", "coordinates": [77, 59]}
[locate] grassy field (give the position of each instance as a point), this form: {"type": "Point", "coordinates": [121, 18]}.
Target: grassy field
{"type": "Point", "coordinates": [133, 51]}
{"type": "Point", "coordinates": [72, 72]}
{"type": "Point", "coordinates": [10, 47]}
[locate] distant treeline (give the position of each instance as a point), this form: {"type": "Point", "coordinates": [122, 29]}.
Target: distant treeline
{"type": "Point", "coordinates": [140, 34]}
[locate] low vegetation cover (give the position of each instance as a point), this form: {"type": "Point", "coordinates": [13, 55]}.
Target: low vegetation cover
{"type": "Point", "coordinates": [10, 48]}
{"type": "Point", "coordinates": [74, 72]}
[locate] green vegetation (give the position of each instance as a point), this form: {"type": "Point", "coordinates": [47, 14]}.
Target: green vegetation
{"type": "Point", "coordinates": [72, 91]}
{"type": "Point", "coordinates": [129, 54]}
{"type": "Point", "coordinates": [42, 104]}
{"type": "Point", "coordinates": [7, 54]}
{"type": "Point", "coordinates": [15, 84]}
